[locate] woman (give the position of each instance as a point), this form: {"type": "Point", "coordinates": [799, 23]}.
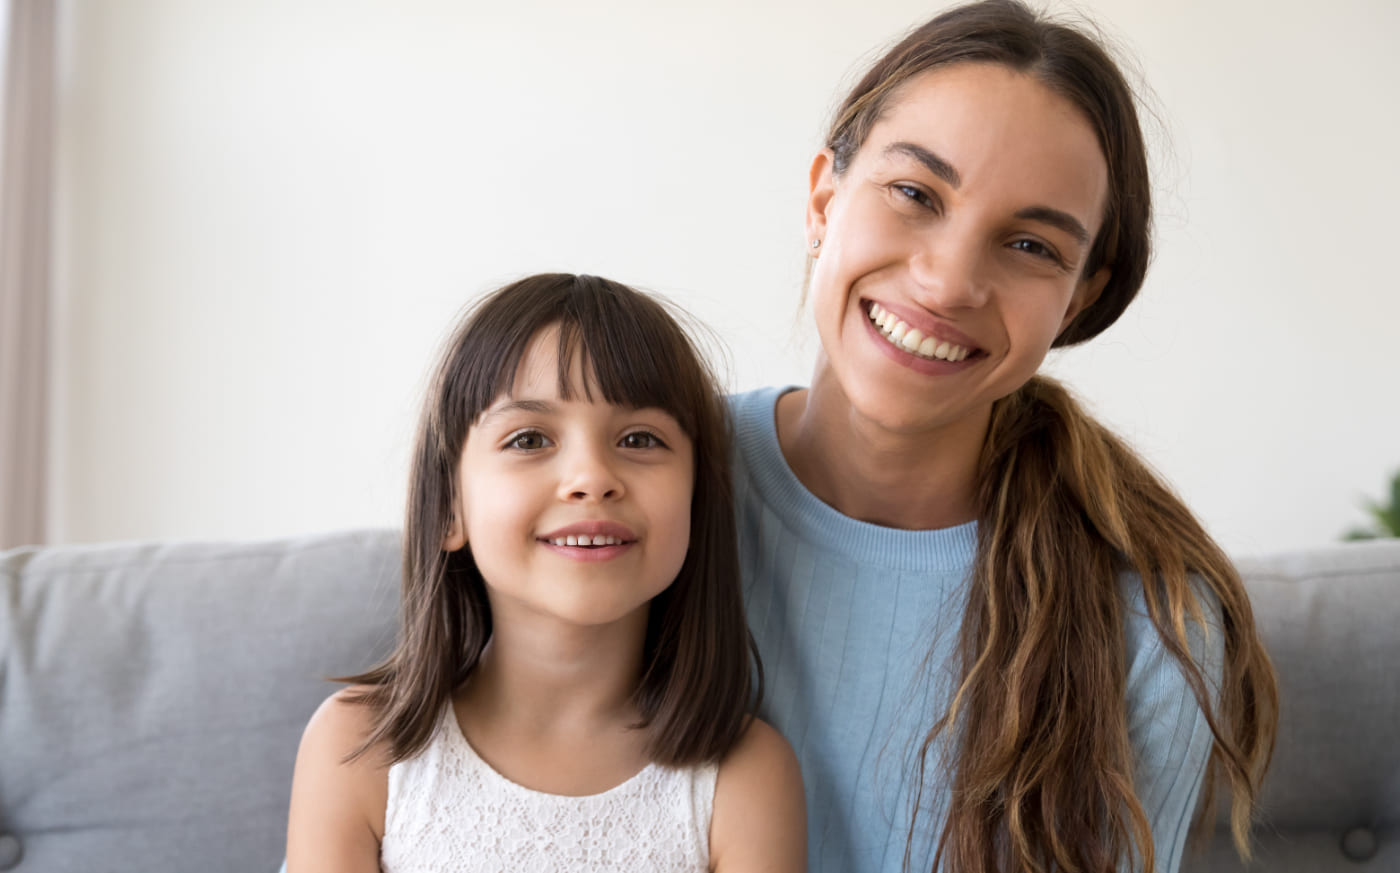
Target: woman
{"type": "Point", "coordinates": [995, 638]}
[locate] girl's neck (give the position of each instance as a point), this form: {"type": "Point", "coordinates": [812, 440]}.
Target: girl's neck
{"type": "Point", "coordinates": [921, 481]}
{"type": "Point", "coordinates": [540, 675]}
{"type": "Point", "coordinates": [550, 708]}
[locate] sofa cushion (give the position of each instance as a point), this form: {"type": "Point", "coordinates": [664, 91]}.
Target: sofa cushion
{"type": "Point", "coordinates": [152, 695]}
{"type": "Point", "coordinates": [1330, 618]}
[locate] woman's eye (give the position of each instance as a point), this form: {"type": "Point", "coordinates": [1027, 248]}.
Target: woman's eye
{"type": "Point", "coordinates": [527, 441]}
{"type": "Point", "coordinates": [914, 194]}
{"type": "Point", "coordinates": [641, 439]}
{"type": "Point", "coordinates": [1035, 247]}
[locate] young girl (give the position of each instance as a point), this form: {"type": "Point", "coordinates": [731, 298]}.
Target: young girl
{"type": "Point", "coordinates": [571, 685]}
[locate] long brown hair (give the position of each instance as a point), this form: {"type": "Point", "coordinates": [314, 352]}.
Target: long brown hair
{"type": "Point", "coordinates": [696, 688]}
{"type": "Point", "coordinates": [1036, 733]}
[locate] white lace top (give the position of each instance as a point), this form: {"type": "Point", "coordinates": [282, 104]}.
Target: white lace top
{"type": "Point", "coordinates": [449, 812]}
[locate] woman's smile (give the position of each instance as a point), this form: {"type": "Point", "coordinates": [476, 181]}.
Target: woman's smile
{"type": "Point", "coordinates": [932, 343]}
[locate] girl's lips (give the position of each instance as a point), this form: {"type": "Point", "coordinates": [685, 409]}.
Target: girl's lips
{"type": "Point", "coordinates": [590, 541]}
{"type": "Point", "coordinates": [589, 554]}
{"type": "Point", "coordinates": [591, 529]}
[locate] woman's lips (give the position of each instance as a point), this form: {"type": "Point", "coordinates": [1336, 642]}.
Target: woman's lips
{"type": "Point", "coordinates": [926, 344]}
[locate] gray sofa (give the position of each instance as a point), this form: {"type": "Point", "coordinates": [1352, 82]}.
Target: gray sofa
{"type": "Point", "coordinates": [152, 696]}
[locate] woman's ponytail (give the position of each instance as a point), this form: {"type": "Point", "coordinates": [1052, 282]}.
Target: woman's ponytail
{"type": "Point", "coordinates": [1045, 780]}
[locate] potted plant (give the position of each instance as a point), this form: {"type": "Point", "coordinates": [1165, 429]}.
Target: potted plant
{"type": "Point", "coordinates": [1385, 518]}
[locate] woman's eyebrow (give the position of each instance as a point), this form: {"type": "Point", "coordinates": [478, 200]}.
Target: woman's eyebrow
{"type": "Point", "coordinates": [945, 171]}
{"type": "Point", "coordinates": [936, 165]}
{"type": "Point", "coordinates": [1057, 218]}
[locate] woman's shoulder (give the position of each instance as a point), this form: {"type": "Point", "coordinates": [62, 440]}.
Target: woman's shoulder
{"type": "Point", "coordinates": [1199, 610]}
{"type": "Point", "coordinates": [754, 408]}
{"type": "Point", "coordinates": [760, 814]}
{"type": "Point", "coordinates": [1160, 688]}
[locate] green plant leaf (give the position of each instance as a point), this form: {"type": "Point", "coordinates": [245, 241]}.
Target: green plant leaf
{"type": "Point", "coordinates": [1386, 517]}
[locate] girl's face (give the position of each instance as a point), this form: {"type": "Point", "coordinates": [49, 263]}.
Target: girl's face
{"type": "Point", "coordinates": [953, 246]}
{"type": "Point", "coordinates": [573, 509]}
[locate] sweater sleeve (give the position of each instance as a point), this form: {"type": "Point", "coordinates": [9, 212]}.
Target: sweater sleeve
{"type": "Point", "coordinates": [1170, 737]}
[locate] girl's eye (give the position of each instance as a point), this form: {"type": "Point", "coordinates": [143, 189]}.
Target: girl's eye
{"type": "Point", "coordinates": [527, 441]}
{"type": "Point", "coordinates": [641, 439]}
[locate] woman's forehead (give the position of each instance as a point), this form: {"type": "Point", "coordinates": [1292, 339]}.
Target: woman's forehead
{"type": "Point", "coordinates": [995, 128]}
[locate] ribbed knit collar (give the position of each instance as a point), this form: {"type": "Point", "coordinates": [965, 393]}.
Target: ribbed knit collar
{"type": "Point", "coordinates": [821, 526]}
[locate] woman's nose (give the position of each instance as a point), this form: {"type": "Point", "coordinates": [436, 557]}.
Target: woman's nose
{"type": "Point", "coordinates": [949, 272]}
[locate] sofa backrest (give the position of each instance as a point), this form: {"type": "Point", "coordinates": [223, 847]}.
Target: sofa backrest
{"type": "Point", "coordinates": [1331, 801]}
{"type": "Point", "coordinates": [152, 697]}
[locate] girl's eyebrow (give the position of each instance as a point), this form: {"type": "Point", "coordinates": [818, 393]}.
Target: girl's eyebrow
{"type": "Point", "coordinates": [538, 407]}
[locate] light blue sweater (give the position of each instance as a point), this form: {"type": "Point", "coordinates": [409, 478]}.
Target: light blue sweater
{"type": "Point", "coordinates": [856, 625]}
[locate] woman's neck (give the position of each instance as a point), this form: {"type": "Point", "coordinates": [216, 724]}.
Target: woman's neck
{"type": "Point", "coordinates": [918, 481]}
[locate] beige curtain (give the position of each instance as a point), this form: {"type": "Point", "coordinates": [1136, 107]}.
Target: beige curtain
{"type": "Point", "coordinates": [26, 159]}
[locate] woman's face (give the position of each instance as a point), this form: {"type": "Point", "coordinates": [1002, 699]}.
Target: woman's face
{"type": "Point", "coordinates": [953, 246]}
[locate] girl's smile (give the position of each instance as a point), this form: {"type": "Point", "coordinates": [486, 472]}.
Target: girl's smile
{"type": "Point", "coordinates": [590, 541]}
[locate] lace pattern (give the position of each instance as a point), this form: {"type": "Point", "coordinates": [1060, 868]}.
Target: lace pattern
{"type": "Point", "coordinates": [449, 811]}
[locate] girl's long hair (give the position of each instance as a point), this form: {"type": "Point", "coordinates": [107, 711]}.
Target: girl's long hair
{"type": "Point", "coordinates": [696, 689]}
{"type": "Point", "coordinates": [1036, 735]}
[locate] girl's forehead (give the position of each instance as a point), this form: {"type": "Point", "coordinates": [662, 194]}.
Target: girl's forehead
{"type": "Point", "coordinates": [624, 381]}
{"type": "Point", "coordinates": [538, 372]}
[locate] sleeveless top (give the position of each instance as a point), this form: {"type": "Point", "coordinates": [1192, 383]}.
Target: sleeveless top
{"type": "Point", "coordinates": [449, 812]}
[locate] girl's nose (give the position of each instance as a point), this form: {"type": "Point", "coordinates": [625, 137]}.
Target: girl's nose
{"type": "Point", "coordinates": [589, 476]}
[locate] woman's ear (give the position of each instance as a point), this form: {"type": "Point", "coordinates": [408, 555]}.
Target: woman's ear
{"type": "Point", "coordinates": [1085, 293]}
{"type": "Point", "coordinates": [821, 186]}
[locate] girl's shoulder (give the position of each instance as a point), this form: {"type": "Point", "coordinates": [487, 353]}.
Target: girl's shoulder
{"type": "Point", "coordinates": [760, 814]}
{"type": "Point", "coordinates": [339, 787]}
{"type": "Point", "coordinates": [341, 724]}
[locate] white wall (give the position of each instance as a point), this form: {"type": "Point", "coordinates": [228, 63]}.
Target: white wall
{"type": "Point", "coordinates": [272, 209]}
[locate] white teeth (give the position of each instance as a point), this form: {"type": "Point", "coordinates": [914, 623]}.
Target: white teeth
{"type": "Point", "coordinates": [585, 540]}
{"type": "Point", "coordinates": [913, 340]}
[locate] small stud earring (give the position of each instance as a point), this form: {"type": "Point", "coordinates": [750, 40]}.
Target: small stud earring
{"type": "Point", "coordinates": [816, 243]}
